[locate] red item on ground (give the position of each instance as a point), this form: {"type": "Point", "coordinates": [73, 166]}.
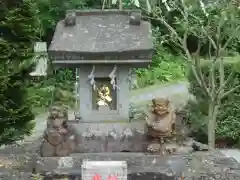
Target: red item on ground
{"type": "Point", "coordinates": [112, 177]}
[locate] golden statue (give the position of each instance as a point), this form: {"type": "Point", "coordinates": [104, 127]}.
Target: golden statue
{"type": "Point", "coordinates": [104, 97]}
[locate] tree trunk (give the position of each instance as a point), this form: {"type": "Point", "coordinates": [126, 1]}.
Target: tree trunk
{"type": "Point", "coordinates": [212, 116]}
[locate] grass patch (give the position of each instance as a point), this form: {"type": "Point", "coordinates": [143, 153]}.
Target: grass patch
{"type": "Point", "coordinates": [155, 87]}
{"type": "Point", "coordinates": [165, 68]}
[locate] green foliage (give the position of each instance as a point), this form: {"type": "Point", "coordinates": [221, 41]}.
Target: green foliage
{"type": "Point", "coordinates": [228, 119]}
{"type": "Point", "coordinates": [41, 90]}
{"type": "Point", "coordinates": [20, 28]}
{"type": "Point", "coordinates": [221, 13]}
{"type": "Point", "coordinates": [56, 87]}
{"type": "Point", "coordinates": [51, 11]}
{"type": "Point", "coordinates": [165, 67]}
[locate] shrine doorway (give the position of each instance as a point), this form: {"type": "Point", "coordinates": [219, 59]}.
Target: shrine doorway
{"type": "Point", "coordinates": [104, 96]}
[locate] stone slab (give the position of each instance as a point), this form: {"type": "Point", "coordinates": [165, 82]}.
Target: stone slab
{"type": "Point", "coordinates": [110, 137]}
{"type": "Point", "coordinates": [235, 153]}
{"type": "Point", "coordinates": [192, 166]}
{"type": "Point", "coordinates": [16, 176]}
{"type": "Point", "coordinates": [135, 161]}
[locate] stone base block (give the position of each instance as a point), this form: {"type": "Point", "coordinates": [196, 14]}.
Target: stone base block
{"type": "Point", "coordinates": [197, 166]}
{"type": "Point", "coordinates": [136, 162]}
{"type": "Point", "coordinates": [110, 137]}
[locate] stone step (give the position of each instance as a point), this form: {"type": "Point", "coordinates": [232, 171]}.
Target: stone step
{"type": "Point", "coordinates": [110, 137]}
{"type": "Point", "coordinates": [132, 176]}
{"type": "Point", "coordinates": [137, 163]}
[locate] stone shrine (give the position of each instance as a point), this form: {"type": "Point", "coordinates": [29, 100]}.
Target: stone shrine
{"type": "Point", "coordinates": [104, 47]}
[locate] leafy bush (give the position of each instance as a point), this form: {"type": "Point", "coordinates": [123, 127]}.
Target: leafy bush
{"type": "Point", "coordinates": [176, 20]}
{"type": "Point", "coordinates": [19, 27]}
{"type": "Point", "coordinates": [165, 67]}
{"type": "Point", "coordinates": [228, 119]}
{"type": "Point", "coordinates": [55, 87]}
{"type": "Point", "coordinates": [51, 11]}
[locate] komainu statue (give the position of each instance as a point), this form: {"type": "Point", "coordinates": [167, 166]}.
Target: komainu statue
{"type": "Point", "coordinates": [160, 124]}
{"type": "Point", "coordinates": [59, 137]}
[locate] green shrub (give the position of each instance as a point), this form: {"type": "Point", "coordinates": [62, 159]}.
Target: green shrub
{"type": "Point", "coordinates": [20, 28]}
{"type": "Point", "coordinates": [58, 87]}
{"type": "Point", "coordinates": [165, 67]}
{"type": "Point", "coordinates": [228, 119]}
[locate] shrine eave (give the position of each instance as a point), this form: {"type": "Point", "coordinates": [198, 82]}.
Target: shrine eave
{"type": "Point", "coordinates": [64, 57]}
{"type": "Point", "coordinates": [129, 61]}
{"type": "Point", "coordinates": [133, 63]}
{"type": "Point", "coordinates": [101, 35]}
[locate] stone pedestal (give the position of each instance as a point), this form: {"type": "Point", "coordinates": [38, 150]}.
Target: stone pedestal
{"type": "Point", "coordinates": [110, 137]}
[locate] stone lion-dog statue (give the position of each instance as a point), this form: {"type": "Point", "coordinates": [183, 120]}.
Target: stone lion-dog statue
{"type": "Point", "coordinates": [160, 123]}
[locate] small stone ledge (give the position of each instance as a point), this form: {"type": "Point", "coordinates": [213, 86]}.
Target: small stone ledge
{"type": "Point", "coordinates": [131, 176]}
{"type": "Point", "coordinates": [14, 175]}
{"type": "Point", "coordinates": [195, 165]}
{"type": "Point", "coordinates": [137, 162]}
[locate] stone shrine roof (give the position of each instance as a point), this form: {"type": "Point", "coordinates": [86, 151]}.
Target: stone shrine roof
{"type": "Point", "coordinates": [98, 35]}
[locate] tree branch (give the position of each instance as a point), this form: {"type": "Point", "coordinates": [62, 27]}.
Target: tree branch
{"type": "Point", "coordinates": [199, 69]}
{"type": "Point", "coordinates": [230, 38]}
{"type": "Point", "coordinates": [212, 80]}
{"type": "Point", "coordinates": [173, 31]}
{"type": "Point", "coordinates": [103, 5]}
{"type": "Point", "coordinates": [120, 5]}
{"type": "Point", "coordinates": [222, 76]}
{"type": "Point", "coordinates": [230, 91]}
{"type": "Point", "coordinates": [230, 76]}
{"type": "Point", "coordinates": [149, 8]}
{"type": "Point", "coordinates": [184, 44]}
{"type": "Point", "coordinates": [226, 82]}
{"type": "Point", "coordinates": [210, 38]}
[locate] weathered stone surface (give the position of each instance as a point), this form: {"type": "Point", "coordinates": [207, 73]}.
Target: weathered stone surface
{"type": "Point", "coordinates": [114, 145]}
{"type": "Point", "coordinates": [110, 137]}
{"type": "Point", "coordinates": [59, 137]}
{"type": "Point", "coordinates": [53, 137]}
{"type": "Point", "coordinates": [15, 175]}
{"type": "Point", "coordinates": [63, 149]}
{"type": "Point", "coordinates": [91, 144]}
{"type": "Point", "coordinates": [161, 119]}
{"type": "Point", "coordinates": [134, 161]}
{"type": "Point", "coordinates": [194, 166]}
{"type": "Point", "coordinates": [47, 149]}
{"type": "Point", "coordinates": [107, 35]}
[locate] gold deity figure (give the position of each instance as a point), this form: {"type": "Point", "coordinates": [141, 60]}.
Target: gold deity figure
{"type": "Point", "coordinates": [104, 96]}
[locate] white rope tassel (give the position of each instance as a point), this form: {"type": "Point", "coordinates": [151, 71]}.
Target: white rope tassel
{"type": "Point", "coordinates": [112, 76]}
{"type": "Point", "coordinates": [77, 88]}
{"type": "Point", "coordinates": [132, 79]}
{"type": "Point", "coordinates": [91, 78]}
{"type": "Point", "coordinates": [77, 83]}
